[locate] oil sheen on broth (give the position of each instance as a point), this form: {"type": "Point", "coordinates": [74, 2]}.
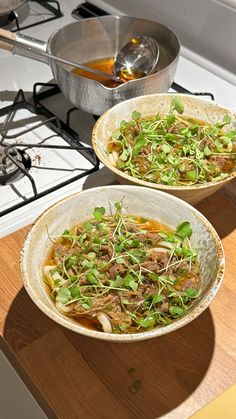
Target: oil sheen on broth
{"type": "Point", "coordinates": [106, 65]}
{"type": "Point", "coordinates": [103, 64]}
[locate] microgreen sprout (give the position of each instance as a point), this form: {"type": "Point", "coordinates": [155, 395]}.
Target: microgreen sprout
{"type": "Point", "coordinates": [137, 274]}
{"type": "Point", "coordinates": [174, 149]}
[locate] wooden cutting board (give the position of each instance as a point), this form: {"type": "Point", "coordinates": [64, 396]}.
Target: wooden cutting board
{"type": "Point", "coordinates": [73, 376]}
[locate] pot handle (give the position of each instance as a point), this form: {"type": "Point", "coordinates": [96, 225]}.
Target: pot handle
{"type": "Point", "coordinates": [27, 42]}
{"type": "Point", "coordinates": [9, 35]}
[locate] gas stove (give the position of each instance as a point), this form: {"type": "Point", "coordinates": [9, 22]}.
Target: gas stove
{"type": "Point", "coordinates": [31, 13]}
{"type": "Point", "coordinates": [45, 151]}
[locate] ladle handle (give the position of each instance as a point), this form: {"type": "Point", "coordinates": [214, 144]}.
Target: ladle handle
{"type": "Point", "coordinates": [9, 40]}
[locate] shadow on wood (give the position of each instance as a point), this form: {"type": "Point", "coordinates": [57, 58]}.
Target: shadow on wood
{"type": "Point", "coordinates": [92, 379]}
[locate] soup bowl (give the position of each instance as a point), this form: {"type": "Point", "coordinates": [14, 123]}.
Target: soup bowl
{"type": "Point", "coordinates": [150, 105]}
{"type": "Point", "coordinates": [136, 200]}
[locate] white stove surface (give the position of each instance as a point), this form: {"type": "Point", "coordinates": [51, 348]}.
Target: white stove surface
{"type": "Point", "coordinates": [21, 73]}
{"type": "Point", "coordinates": [49, 166]}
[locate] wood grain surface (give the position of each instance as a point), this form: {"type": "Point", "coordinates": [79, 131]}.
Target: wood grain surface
{"type": "Point", "coordinates": [73, 376]}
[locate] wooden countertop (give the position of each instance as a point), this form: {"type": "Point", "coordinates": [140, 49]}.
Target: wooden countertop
{"type": "Point", "coordinates": [73, 376]}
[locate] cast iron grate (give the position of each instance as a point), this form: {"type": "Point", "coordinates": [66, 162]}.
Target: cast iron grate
{"type": "Point", "coordinates": [61, 129]}
{"type": "Point", "coordinates": [49, 7]}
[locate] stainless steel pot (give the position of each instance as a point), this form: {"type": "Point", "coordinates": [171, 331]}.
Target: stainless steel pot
{"type": "Point", "coordinates": [96, 38]}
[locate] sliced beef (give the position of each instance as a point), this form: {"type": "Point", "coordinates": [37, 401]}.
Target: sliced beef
{"type": "Point", "coordinates": [222, 164]}
{"type": "Point", "coordinates": [150, 265]}
{"type": "Point", "coordinates": [118, 317]}
{"type": "Point", "coordinates": [164, 307]}
{"type": "Point", "coordinates": [161, 258]}
{"type": "Point", "coordinates": [107, 251]}
{"type": "Point", "coordinates": [150, 237]}
{"type": "Point", "coordinates": [114, 269]}
{"type": "Point", "coordinates": [60, 252]}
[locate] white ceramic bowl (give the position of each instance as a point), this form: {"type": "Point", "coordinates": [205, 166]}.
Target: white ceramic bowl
{"type": "Point", "coordinates": [145, 202]}
{"type": "Point", "coordinates": [150, 105]}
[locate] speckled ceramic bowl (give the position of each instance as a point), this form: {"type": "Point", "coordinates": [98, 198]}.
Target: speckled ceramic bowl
{"type": "Point", "coordinates": [150, 105]}
{"type": "Point", "coordinates": [145, 202]}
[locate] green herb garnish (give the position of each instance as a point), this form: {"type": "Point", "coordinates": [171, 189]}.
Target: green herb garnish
{"type": "Point", "coordinates": [173, 149]}
{"type": "Point", "coordinates": [124, 266]}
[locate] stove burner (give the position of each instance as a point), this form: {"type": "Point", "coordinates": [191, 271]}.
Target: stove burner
{"type": "Point", "coordinates": [13, 164]}
{"type": "Point", "coordinates": [7, 19]}
{"type": "Point", "coordinates": [28, 13]}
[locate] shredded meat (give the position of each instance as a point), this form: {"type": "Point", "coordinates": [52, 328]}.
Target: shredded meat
{"type": "Point", "coordinates": [161, 257]}
{"type": "Point", "coordinates": [60, 252]}
{"type": "Point", "coordinates": [164, 307]}
{"type": "Point", "coordinates": [187, 282]}
{"type": "Point", "coordinates": [105, 257]}
{"type": "Point", "coordinates": [134, 298]}
{"type": "Point", "coordinates": [107, 250]}
{"type": "Point", "coordinates": [234, 146]}
{"type": "Point", "coordinates": [114, 269]}
{"type": "Point", "coordinates": [150, 266]}
{"type": "Point", "coordinates": [150, 289]}
{"type": "Point", "coordinates": [222, 164]}
{"type": "Point", "coordinates": [153, 237]}
{"type": "Point", "coordinates": [83, 281]}
{"type": "Point", "coordinates": [117, 317]}
{"type": "Point", "coordinates": [99, 304]}
{"type": "Point", "coordinates": [173, 130]}
{"type": "Point", "coordinates": [206, 141]}
{"type": "Point", "coordinates": [191, 282]}
{"type": "Point", "coordinates": [146, 150]}
{"type": "Point", "coordinates": [156, 261]}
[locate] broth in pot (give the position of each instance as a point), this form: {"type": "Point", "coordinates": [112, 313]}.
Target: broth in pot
{"type": "Point", "coordinates": [106, 65]}
{"type": "Point", "coordinates": [102, 64]}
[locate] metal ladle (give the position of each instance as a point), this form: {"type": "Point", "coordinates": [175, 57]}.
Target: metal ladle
{"type": "Point", "coordinates": [136, 59]}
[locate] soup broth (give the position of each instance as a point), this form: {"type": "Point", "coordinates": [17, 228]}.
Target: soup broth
{"type": "Point", "coordinates": [103, 64]}
{"type": "Point", "coordinates": [122, 273]}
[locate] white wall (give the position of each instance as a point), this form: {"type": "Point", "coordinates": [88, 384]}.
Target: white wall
{"type": "Point", "coordinates": [207, 27]}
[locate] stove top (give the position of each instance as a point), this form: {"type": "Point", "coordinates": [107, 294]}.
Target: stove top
{"type": "Point", "coordinates": [39, 152]}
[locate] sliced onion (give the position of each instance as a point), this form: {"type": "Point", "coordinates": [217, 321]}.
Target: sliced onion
{"type": "Point", "coordinates": [48, 275]}
{"type": "Point", "coordinates": [64, 309]}
{"type": "Point", "coordinates": [165, 244]}
{"type": "Point", "coordinates": [56, 276]}
{"type": "Point", "coordinates": [53, 277]}
{"type": "Point", "coordinates": [158, 250]}
{"type": "Point", "coordinates": [105, 322]}
{"type": "Point", "coordinates": [113, 157]}
{"type": "Point", "coordinates": [70, 272]}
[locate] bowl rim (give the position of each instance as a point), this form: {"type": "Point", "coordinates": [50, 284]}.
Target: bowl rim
{"type": "Point", "coordinates": [106, 162]}
{"type": "Point", "coordinates": [132, 337]}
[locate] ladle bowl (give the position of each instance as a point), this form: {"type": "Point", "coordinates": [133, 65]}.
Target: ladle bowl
{"type": "Point", "coordinates": [137, 58]}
